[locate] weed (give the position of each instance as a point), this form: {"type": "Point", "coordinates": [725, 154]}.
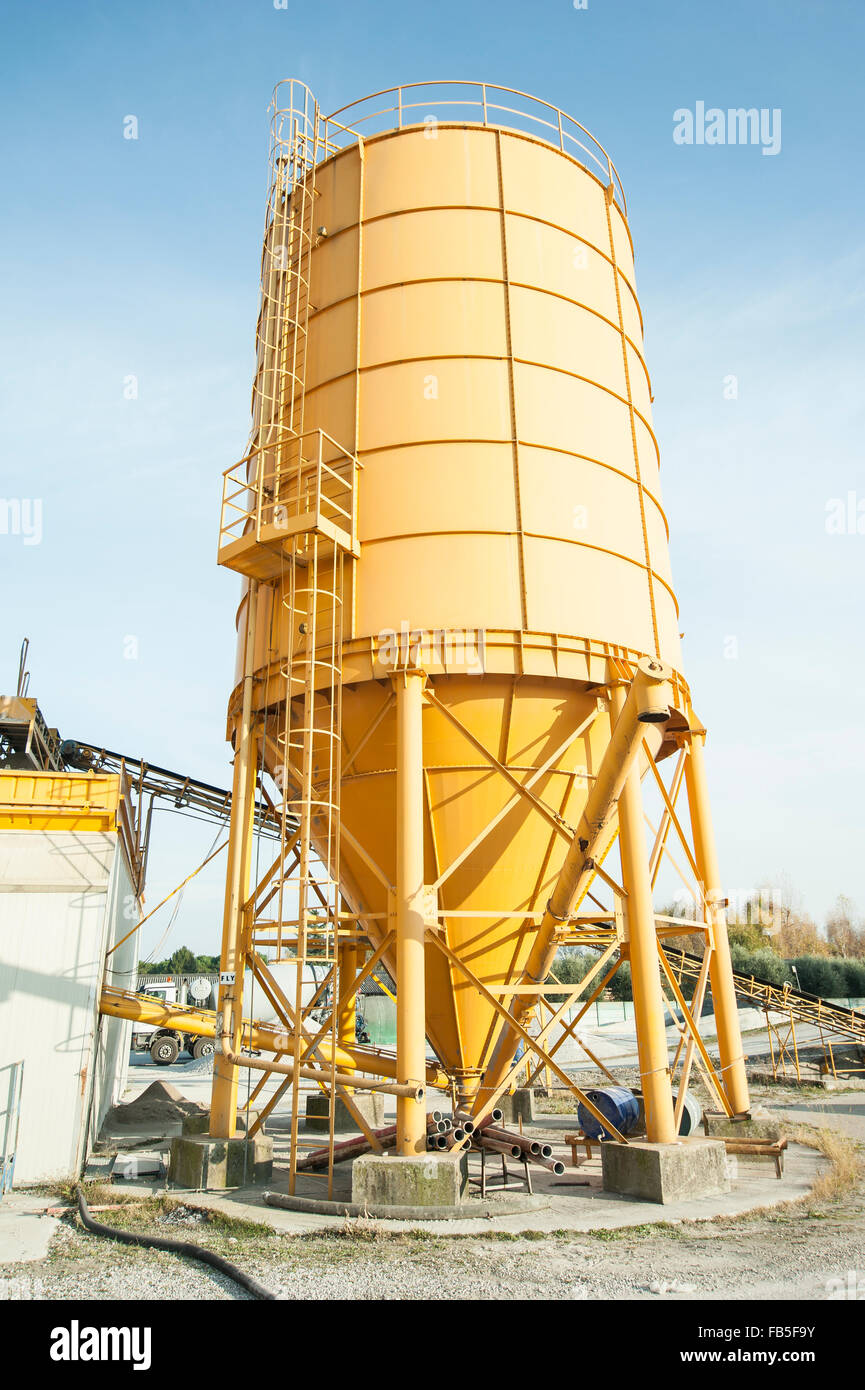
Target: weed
{"type": "Point", "coordinates": [845, 1169]}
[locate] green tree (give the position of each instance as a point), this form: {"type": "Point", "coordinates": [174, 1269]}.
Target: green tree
{"type": "Point", "coordinates": [764, 964]}
{"type": "Point", "coordinates": [746, 935]}
{"type": "Point", "coordinates": [572, 965]}
{"type": "Point", "coordinates": [620, 984]}
{"type": "Point", "coordinates": [183, 961]}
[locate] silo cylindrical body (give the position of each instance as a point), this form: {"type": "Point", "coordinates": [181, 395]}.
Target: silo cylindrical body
{"type": "Point", "coordinates": [474, 338]}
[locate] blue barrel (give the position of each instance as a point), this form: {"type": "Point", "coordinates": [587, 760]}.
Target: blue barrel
{"type": "Point", "coordinates": [617, 1105]}
{"type": "Point", "coordinates": [692, 1113]}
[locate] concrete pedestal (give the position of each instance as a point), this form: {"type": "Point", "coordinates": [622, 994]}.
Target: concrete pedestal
{"type": "Point", "coordinates": [519, 1106]}
{"type": "Point", "coordinates": [199, 1162]}
{"type": "Point", "coordinates": [370, 1105]}
{"type": "Point", "coordinates": [429, 1180]}
{"type": "Point", "coordinates": [666, 1172]}
{"type": "Point", "coordinates": [757, 1126]}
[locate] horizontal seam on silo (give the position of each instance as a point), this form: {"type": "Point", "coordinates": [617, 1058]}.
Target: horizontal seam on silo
{"type": "Point", "coordinates": [491, 357]}
{"type": "Point", "coordinates": [528, 444]}
{"type": "Point", "coordinates": [529, 535]}
{"type": "Point", "coordinates": [486, 280]}
{"type": "Point", "coordinates": [504, 130]}
{"type": "Point", "coordinates": [575, 236]}
{"type": "Point", "coordinates": [602, 463]}
{"type": "Point", "coordinates": [510, 212]}
{"type": "Point", "coordinates": [497, 531]}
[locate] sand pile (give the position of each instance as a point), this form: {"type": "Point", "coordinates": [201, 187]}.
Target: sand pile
{"type": "Point", "coordinates": [156, 1108]}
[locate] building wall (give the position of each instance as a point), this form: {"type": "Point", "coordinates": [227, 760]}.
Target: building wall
{"type": "Point", "coordinates": [121, 969]}
{"type": "Point", "coordinates": [65, 897]}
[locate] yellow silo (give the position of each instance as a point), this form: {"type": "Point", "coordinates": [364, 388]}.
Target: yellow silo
{"type": "Point", "coordinates": [455, 550]}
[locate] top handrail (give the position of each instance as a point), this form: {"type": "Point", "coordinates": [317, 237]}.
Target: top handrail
{"type": "Point", "coordinates": [554, 127]}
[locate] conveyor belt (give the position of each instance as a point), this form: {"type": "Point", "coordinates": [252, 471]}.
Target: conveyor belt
{"type": "Point", "coordinates": [803, 1007]}
{"type": "Point", "coordinates": [184, 793]}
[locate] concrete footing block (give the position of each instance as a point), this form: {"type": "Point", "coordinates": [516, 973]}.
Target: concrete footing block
{"type": "Point", "coordinates": [519, 1106]}
{"type": "Point", "coordinates": [206, 1164]}
{"type": "Point", "coordinates": [720, 1126]}
{"type": "Point", "coordinates": [694, 1167]}
{"type": "Point", "coordinates": [428, 1180]}
{"type": "Point", "coordinates": [200, 1124]}
{"type": "Point", "coordinates": [370, 1105]}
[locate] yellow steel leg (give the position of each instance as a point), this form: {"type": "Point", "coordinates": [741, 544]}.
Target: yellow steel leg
{"type": "Point", "coordinates": [410, 991]}
{"type": "Point", "coordinates": [643, 948]}
{"type": "Point", "coordinates": [223, 1103]}
{"type": "Point", "coordinates": [646, 704]}
{"type": "Point", "coordinates": [720, 968]}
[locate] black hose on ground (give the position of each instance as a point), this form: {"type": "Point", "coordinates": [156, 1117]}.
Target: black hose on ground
{"type": "Point", "coordinates": [176, 1247]}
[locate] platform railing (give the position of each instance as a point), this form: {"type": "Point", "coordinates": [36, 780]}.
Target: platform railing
{"type": "Point", "coordinates": [290, 477]}
{"type": "Point", "coordinates": [461, 102]}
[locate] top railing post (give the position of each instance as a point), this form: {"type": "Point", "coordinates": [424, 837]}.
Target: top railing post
{"type": "Point", "coordinates": [392, 116]}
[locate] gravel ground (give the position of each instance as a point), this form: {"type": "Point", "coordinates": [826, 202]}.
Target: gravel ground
{"type": "Point", "coordinates": [790, 1253]}
{"type": "Point", "coordinates": [781, 1256]}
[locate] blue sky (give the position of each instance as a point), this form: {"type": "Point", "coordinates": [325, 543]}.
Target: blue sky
{"type": "Point", "coordinates": [124, 257]}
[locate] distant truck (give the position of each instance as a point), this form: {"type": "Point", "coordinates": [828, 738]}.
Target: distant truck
{"type": "Point", "coordinates": [166, 1044]}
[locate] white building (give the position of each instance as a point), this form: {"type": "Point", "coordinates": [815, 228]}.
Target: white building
{"type": "Point", "coordinates": [68, 873]}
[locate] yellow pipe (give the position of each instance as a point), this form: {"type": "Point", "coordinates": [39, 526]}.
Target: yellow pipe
{"type": "Point", "coordinates": [338, 1078]}
{"type": "Point", "coordinates": [643, 952]}
{"type": "Point", "coordinates": [263, 1037]}
{"type": "Point", "coordinates": [410, 989]}
{"type": "Point", "coordinates": [223, 1103]}
{"type": "Point", "coordinates": [647, 703]}
{"type": "Point", "coordinates": [720, 966]}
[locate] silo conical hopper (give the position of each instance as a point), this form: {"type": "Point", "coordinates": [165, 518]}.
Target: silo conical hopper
{"type": "Point", "coordinates": [451, 383]}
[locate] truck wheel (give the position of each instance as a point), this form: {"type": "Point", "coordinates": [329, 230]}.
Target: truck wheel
{"type": "Point", "coordinates": [164, 1050]}
{"type": "Point", "coordinates": [203, 1047]}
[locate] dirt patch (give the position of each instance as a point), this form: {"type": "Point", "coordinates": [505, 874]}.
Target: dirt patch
{"type": "Point", "coordinates": [160, 1105]}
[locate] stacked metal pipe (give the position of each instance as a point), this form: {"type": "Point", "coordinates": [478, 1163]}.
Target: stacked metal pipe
{"type": "Point", "coordinates": [494, 1138]}
{"type": "Point", "coordinates": [443, 1133]}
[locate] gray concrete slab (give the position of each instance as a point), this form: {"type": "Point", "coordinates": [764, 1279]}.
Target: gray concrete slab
{"type": "Point", "coordinates": [25, 1230]}
{"type": "Point", "coordinates": [568, 1208]}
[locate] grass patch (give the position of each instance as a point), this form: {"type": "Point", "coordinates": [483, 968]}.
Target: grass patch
{"type": "Point", "coordinates": [164, 1216]}
{"type": "Point", "coordinates": [660, 1228]}
{"type": "Point", "coordinates": [96, 1193]}
{"type": "Point", "coordinates": [845, 1170]}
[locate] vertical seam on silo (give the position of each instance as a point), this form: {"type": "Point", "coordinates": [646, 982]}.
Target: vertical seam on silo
{"type": "Point", "coordinates": [361, 151]}
{"type": "Point", "coordinates": [512, 387]}
{"type": "Point", "coordinates": [643, 523]}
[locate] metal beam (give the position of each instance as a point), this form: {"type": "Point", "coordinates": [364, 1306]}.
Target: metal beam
{"type": "Point", "coordinates": [647, 703]}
